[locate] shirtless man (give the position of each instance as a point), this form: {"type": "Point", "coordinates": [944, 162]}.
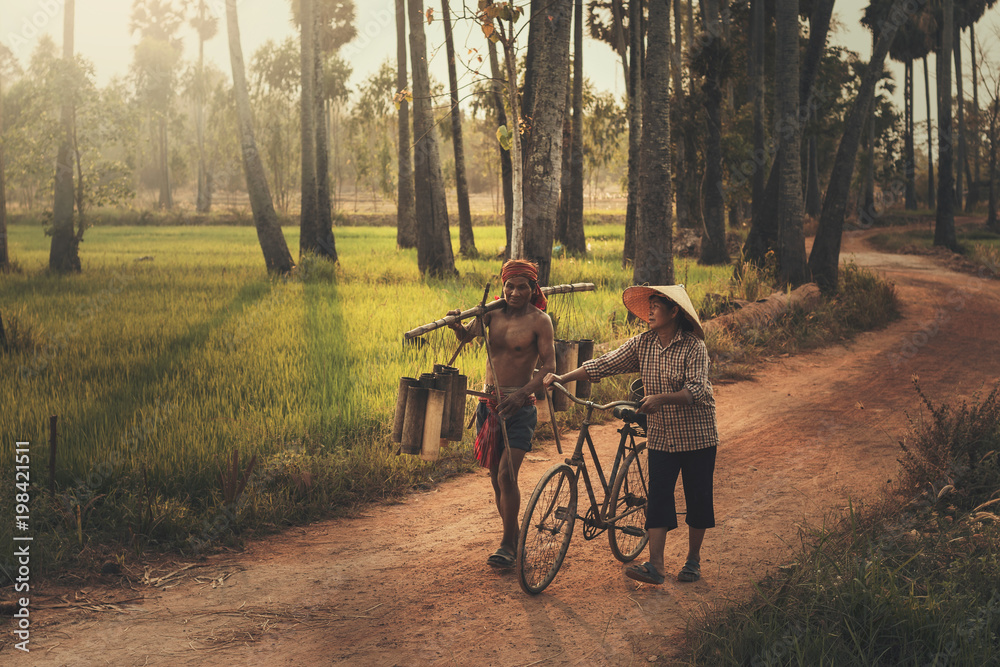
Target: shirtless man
{"type": "Point", "coordinates": [520, 335]}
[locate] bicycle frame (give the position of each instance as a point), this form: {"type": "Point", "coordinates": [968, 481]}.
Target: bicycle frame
{"type": "Point", "coordinates": [579, 464]}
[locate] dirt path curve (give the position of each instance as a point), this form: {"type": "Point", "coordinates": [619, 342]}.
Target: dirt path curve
{"type": "Point", "coordinates": [408, 584]}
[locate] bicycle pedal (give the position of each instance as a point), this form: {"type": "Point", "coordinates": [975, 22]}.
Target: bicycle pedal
{"type": "Point", "coordinates": [563, 513]}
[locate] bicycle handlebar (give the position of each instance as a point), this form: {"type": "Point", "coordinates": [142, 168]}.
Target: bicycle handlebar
{"type": "Point", "coordinates": [591, 404]}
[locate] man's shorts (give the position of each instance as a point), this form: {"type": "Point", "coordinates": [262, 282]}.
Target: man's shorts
{"type": "Point", "coordinates": [520, 425]}
{"type": "Point", "coordinates": [697, 469]}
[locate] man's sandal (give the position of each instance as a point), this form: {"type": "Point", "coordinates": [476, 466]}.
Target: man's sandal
{"type": "Point", "coordinates": [690, 572]}
{"type": "Point", "coordinates": [645, 573]}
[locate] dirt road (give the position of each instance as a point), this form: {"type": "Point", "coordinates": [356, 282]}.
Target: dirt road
{"type": "Point", "coordinates": [408, 584]}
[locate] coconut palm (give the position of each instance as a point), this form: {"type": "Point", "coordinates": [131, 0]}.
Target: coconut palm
{"type": "Point", "coordinates": [206, 25]}
{"type": "Point", "coordinates": [467, 241]}
{"type": "Point", "coordinates": [406, 232]}
{"type": "Point", "coordinates": [64, 256]}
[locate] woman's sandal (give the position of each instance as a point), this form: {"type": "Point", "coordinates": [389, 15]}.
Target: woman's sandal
{"type": "Point", "coordinates": [645, 573]}
{"type": "Point", "coordinates": [690, 572]}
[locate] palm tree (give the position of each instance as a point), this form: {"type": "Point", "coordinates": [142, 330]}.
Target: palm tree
{"type": "Point", "coordinates": [272, 240]}
{"type": "Point", "coordinates": [506, 166]}
{"type": "Point", "coordinates": [64, 256]}
{"type": "Point", "coordinates": [309, 211]}
{"type": "Point", "coordinates": [548, 71]}
{"type": "Point", "coordinates": [206, 25]}
{"type": "Point", "coordinates": [824, 261]}
{"type": "Point", "coordinates": [944, 228]}
{"type": "Point", "coordinates": [930, 139]}
{"type": "Point", "coordinates": [654, 261]}
{"type": "Point", "coordinates": [434, 253]}
{"type": "Point", "coordinates": [406, 232]}
{"type": "Point", "coordinates": [635, 95]}
{"type": "Point", "coordinates": [713, 56]}
{"type": "Point", "coordinates": [574, 237]}
{"type": "Point", "coordinates": [467, 241]}
{"type": "Point", "coordinates": [4, 253]}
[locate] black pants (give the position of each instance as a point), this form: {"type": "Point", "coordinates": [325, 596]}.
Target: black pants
{"type": "Point", "coordinates": [697, 469]}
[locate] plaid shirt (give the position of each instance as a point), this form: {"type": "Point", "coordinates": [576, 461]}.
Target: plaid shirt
{"type": "Point", "coordinates": [681, 364]}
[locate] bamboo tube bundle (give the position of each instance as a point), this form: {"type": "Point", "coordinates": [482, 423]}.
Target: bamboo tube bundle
{"type": "Point", "coordinates": [413, 421]}
{"type": "Point", "coordinates": [566, 355]}
{"type": "Point", "coordinates": [431, 444]}
{"type": "Point", "coordinates": [397, 423]}
{"type": "Point", "coordinates": [585, 352]}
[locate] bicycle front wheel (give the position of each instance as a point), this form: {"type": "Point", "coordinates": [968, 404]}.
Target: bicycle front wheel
{"type": "Point", "coordinates": [546, 529]}
{"type": "Point", "coordinates": [627, 532]}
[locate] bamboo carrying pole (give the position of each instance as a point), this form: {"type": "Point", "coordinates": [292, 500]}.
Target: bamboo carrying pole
{"type": "Point", "coordinates": [484, 308]}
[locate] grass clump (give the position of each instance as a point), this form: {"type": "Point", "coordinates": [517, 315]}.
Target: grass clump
{"type": "Point", "coordinates": [912, 579]}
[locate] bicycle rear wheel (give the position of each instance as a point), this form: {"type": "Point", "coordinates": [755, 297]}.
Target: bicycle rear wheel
{"type": "Point", "coordinates": [627, 533]}
{"type": "Point", "coordinates": [546, 529]}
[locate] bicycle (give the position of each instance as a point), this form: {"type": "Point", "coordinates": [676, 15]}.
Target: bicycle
{"type": "Point", "coordinates": [549, 517]}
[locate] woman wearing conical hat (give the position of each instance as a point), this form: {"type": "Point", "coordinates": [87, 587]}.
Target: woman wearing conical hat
{"type": "Point", "coordinates": [682, 435]}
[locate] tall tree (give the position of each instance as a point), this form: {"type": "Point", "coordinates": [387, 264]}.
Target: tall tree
{"type": "Point", "coordinates": [792, 247]}
{"type": "Point", "coordinates": [277, 259]}
{"type": "Point", "coordinates": [977, 132]}
{"type": "Point", "coordinates": [467, 241]}
{"type": "Point", "coordinates": [406, 224]}
{"type": "Point", "coordinates": [4, 252]}
{"type": "Point", "coordinates": [434, 253]}
{"type": "Point", "coordinates": [944, 229]}
{"type": "Point", "coordinates": [713, 57]}
{"type": "Point", "coordinates": [506, 167]}
{"type": "Point", "coordinates": [824, 259]}
{"type": "Point", "coordinates": [635, 96]}
{"type": "Point", "coordinates": [654, 262]}
{"type": "Point", "coordinates": [759, 20]}
{"type": "Point", "coordinates": [549, 31]}
{"type": "Point", "coordinates": [764, 231]}
{"type": "Point", "coordinates": [309, 207]}
{"type": "Point", "coordinates": [64, 256]}
{"type": "Point", "coordinates": [574, 237]}
{"type": "Point", "coordinates": [960, 165]}
{"type": "Point", "coordinates": [206, 25]}
{"type": "Point", "coordinates": [814, 200]}
{"type": "Point", "coordinates": [930, 139]}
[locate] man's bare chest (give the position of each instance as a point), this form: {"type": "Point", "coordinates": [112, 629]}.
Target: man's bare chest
{"type": "Point", "coordinates": [512, 337]}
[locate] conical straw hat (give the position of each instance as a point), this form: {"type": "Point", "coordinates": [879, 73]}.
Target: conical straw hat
{"type": "Point", "coordinates": [636, 299]}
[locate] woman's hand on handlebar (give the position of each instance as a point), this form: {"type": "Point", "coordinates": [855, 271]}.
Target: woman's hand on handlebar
{"type": "Point", "coordinates": [549, 379]}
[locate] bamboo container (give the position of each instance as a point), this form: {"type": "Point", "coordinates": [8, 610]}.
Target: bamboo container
{"type": "Point", "coordinates": [585, 352]}
{"type": "Point", "coordinates": [566, 353]}
{"type": "Point", "coordinates": [413, 422]}
{"type": "Point", "coordinates": [397, 423]}
{"type": "Point", "coordinates": [432, 425]}
{"type": "Point", "coordinates": [444, 381]}
{"type": "Point", "coordinates": [457, 427]}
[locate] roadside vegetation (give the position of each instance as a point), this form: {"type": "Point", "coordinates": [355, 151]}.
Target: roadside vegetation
{"type": "Point", "coordinates": [200, 402]}
{"type": "Point", "coordinates": [913, 578]}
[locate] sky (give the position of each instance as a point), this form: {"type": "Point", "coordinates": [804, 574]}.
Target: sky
{"type": "Point", "coordinates": [103, 37]}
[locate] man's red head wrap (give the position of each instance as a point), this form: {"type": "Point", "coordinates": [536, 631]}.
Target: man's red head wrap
{"type": "Point", "coordinates": [519, 268]}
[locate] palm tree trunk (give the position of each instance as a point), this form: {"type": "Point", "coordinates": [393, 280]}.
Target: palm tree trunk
{"type": "Point", "coordinates": [713, 245]}
{"type": "Point", "coordinates": [506, 169]}
{"type": "Point", "coordinates": [814, 199]}
{"type": "Point", "coordinates": [944, 228]}
{"type": "Point", "coordinates": [467, 241]}
{"type": "Point", "coordinates": [64, 253]}
{"type": "Point", "coordinates": [204, 202]}
{"type": "Point", "coordinates": [824, 261]}
{"type": "Point", "coordinates": [326, 244]}
{"type": "Point", "coordinates": [992, 220]}
{"type": "Point", "coordinates": [792, 247]}
{"type": "Point", "coordinates": [562, 214]}
{"type": "Point", "coordinates": [550, 31]}
{"type": "Point", "coordinates": [309, 206]}
{"type": "Point", "coordinates": [654, 260]}
{"type": "Point", "coordinates": [676, 109]}
{"type": "Point", "coordinates": [635, 85]}
{"type": "Point", "coordinates": [973, 199]}
{"type": "Point", "coordinates": [4, 251]}
{"type": "Point", "coordinates": [759, 134]}
{"type": "Point", "coordinates": [272, 240]}
{"type": "Point", "coordinates": [960, 107]}
{"type": "Point", "coordinates": [930, 139]}
{"type": "Point", "coordinates": [406, 226]}
{"type": "Point", "coordinates": [868, 199]}
{"type": "Point", "coordinates": [434, 253]}
{"type": "Point", "coordinates": [763, 235]}
{"type": "Point", "coordinates": [575, 238]}
{"type": "Point", "coordinates": [910, 195]}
